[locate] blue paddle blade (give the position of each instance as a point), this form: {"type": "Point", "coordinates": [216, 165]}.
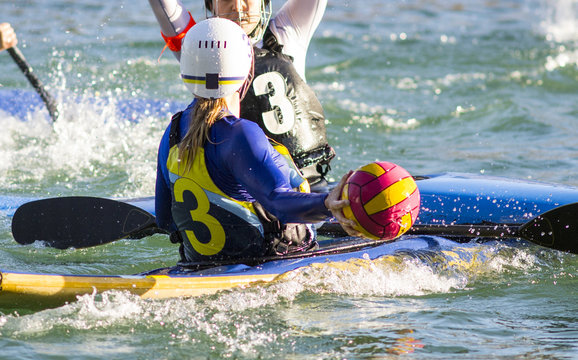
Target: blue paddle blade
{"type": "Point", "coordinates": [80, 222]}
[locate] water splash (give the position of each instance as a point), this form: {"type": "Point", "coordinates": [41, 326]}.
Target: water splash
{"type": "Point", "coordinates": [269, 318]}
{"type": "Point", "coordinates": [561, 23]}
{"type": "Point", "coordinates": [561, 27]}
{"type": "Point", "coordinates": [96, 141]}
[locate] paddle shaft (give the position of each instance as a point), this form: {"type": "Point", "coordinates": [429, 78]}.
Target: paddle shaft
{"type": "Point", "coordinates": [462, 230]}
{"type": "Point", "coordinates": [89, 221]}
{"type": "Point", "coordinates": [34, 81]}
{"type": "Point", "coordinates": [555, 229]}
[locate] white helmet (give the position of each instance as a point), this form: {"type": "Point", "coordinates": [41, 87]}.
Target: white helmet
{"type": "Point", "coordinates": [216, 58]}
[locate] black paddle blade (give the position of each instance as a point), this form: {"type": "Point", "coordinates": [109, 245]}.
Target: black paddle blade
{"type": "Point", "coordinates": [556, 229]}
{"type": "Point", "coordinates": [79, 222]}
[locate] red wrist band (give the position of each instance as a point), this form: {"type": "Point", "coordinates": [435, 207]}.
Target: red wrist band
{"type": "Point", "coordinates": [174, 42]}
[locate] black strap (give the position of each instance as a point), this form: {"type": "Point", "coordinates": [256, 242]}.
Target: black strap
{"type": "Point", "coordinates": [174, 137]}
{"type": "Point", "coordinates": [270, 42]}
{"type": "Point", "coordinates": [271, 225]}
{"type": "Point", "coordinates": [176, 238]}
{"type": "Point", "coordinates": [320, 156]}
{"type": "Point", "coordinates": [284, 238]}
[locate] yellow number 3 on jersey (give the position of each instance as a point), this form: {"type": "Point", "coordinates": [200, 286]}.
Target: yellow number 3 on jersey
{"type": "Point", "coordinates": [200, 214]}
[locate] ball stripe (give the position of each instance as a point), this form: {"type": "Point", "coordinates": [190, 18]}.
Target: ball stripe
{"type": "Point", "coordinates": [371, 172]}
{"type": "Point", "coordinates": [347, 210]}
{"type": "Point", "coordinates": [374, 168]}
{"type": "Point", "coordinates": [391, 196]}
{"type": "Point", "coordinates": [405, 223]}
{"type": "Point", "coordinates": [392, 174]}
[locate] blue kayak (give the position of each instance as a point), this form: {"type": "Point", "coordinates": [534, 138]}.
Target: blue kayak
{"type": "Point", "coordinates": [36, 291]}
{"type": "Point", "coordinates": [456, 198]}
{"type": "Point", "coordinates": [445, 199]}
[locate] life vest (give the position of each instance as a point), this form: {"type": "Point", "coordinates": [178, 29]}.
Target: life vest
{"type": "Point", "coordinates": [214, 226]}
{"type": "Point", "coordinates": [287, 110]}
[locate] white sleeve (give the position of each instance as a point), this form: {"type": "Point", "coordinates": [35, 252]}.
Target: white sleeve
{"type": "Point", "coordinates": [294, 26]}
{"type": "Point", "coordinates": [172, 17]}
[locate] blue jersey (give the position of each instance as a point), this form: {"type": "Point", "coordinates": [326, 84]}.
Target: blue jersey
{"type": "Point", "coordinates": [243, 165]}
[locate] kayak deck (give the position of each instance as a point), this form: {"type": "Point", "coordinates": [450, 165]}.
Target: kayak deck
{"type": "Point", "coordinates": [33, 291]}
{"type": "Point", "coordinates": [43, 290]}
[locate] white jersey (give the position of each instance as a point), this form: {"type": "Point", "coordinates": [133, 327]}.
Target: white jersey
{"type": "Point", "coordinates": [293, 25]}
{"type": "Point", "coordinates": [278, 99]}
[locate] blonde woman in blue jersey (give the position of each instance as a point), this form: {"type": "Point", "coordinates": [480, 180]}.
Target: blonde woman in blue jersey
{"type": "Point", "coordinates": [223, 190]}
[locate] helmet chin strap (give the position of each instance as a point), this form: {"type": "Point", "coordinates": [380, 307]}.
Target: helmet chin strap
{"type": "Point", "coordinates": [243, 90]}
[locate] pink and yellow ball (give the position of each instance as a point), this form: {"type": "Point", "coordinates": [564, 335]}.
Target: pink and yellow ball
{"type": "Point", "coordinates": [384, 200]}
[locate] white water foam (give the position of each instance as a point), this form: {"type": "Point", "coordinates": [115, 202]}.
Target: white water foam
{"type": "Point", "coordinates": [560, 26]}
{"type": "Point", "coordinates": [369, 115]}
{"type": "Point", "coordinates": [562, 59]}
{"type": "Point", "coordinates": [561, 22]}
{"type": "Point", "coordinates": [90, 142]}
{"type": "Point", "coordinates": [240, 320]}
